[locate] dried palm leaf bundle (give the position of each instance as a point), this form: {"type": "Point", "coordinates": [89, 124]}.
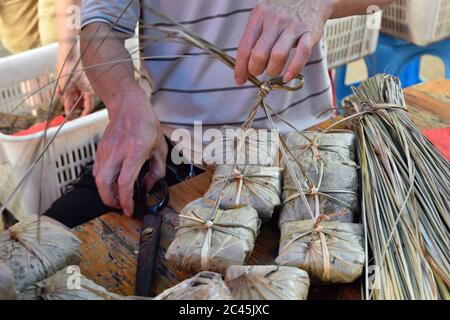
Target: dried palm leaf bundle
{"type": "Point", "coordinates": [212, 239]}
{"type": "Point", "coordinates": [203, 286]}
{"type": "Point", "coordinates": [67, 284]}
{"type": "Point", "coordinates": [260, 147]}
{"type": "Point", "coordinates": [406, 196]}
{"type": "Point", "coordinates": [7, 283]}
{"type": "Point", "coordinates": [318, 233]}
{"type": "Point", "coordinates": [256, 186]}
{"type": "Point", "coordinates": [267, 283]}
{"type": "Point", "coordinates": [34, 251]}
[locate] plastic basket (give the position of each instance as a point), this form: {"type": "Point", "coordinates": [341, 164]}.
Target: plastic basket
{"type": "Point", "coordinates": [418, 21]}
{"type": "Point", "coordinates": [351, 38]}
{"type": "Point", "coordinates": [20, 76]}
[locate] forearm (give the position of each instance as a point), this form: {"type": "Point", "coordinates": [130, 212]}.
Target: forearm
{"type": "Point", "coordinates": [101, 47]}
{"type": "Point", "coordinates": [344, 8]}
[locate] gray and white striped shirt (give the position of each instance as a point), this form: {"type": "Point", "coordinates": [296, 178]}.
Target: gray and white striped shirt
{"type": "Point", "coordinates": [200, 88]}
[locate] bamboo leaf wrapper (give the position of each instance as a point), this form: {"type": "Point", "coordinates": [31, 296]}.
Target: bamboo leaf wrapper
{"type": "Point", "coordinates": [255, 186]}
{"type": "Point", "coordinates": [213, 240]}
{"type": "Point", "coordinates": [60, 286]}
{"type": "Point", "coordinates": [267, 283]}
{"type": "Point", "coordinates": [33, 258]}
{"type": "Point", "coordinates": [203, 286]}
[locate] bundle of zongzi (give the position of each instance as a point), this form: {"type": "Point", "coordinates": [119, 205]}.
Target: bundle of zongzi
{"type": "Point", "coordinates": [318, 235]}
{"type": "Point", "coordinates": [203, 286]}
{"type": "Point", "coordinates": [35, 251]}
{"type": "Point", "coordinates": [267, 283]}
{"type": "Point", "coordinates": [209, 239]}
{"type": "Point", "coordinates": [255, 186]}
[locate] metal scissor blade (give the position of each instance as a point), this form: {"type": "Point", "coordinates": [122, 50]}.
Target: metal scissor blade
{"type": "Point", "coordinates": [148, 249]}
{"type": "Point", "coordinates": [147, 206]}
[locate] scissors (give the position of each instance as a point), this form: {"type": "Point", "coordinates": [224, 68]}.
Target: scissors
{"type": "Point", "coordinates": [148, 204]}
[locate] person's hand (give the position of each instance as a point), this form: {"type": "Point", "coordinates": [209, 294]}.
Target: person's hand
{"type": "Point", "coordinates": [132, 137]}
{"type": "Point", "coordinates": [73, 82]}
{"type": "Point", "coordinates": [273, 29]}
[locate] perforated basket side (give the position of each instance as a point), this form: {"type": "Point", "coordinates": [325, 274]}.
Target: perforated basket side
{"type": "Point", "coordinates": [417, 21]}
{"type": "Point", "coordinates": [70, 159]}
{"type": "Point", "coordinates": [350, 39]}
{"type": "Point", "coordinates": [442, 29]}
{"type": "Point", "coordinates": [74, 147]}
{"type": "Point", "coordinates": [21, 77]}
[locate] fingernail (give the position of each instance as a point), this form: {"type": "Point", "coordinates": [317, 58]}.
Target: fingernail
{"type": "Point", "coordinates": [288, 77]}
{"type": "Point", "coordinates": [240, 81]}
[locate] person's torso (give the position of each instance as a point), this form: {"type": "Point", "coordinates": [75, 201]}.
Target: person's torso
{"type": "Point", "coordinates": [200, 88]}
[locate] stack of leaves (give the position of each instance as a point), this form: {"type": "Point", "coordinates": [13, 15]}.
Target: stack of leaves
{"type": "Point", "coordinates": [406, 196]}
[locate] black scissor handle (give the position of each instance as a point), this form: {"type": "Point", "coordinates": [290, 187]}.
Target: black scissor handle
{"type": "Point", "coordinates": [160, 187]}
{"type": "Point", "coordinates": [160, 191]}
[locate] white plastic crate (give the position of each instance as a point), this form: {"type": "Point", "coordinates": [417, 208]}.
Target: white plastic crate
{"type": "Point", "coordinates": [418, 21]}
{"type": "Point", "coordinates": [351, 38]}
{"type": "Point", "coordinates": [74, 146]}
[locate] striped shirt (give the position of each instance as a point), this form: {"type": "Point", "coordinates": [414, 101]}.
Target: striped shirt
{"type": "Point", "coordinates": [200, 88]}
